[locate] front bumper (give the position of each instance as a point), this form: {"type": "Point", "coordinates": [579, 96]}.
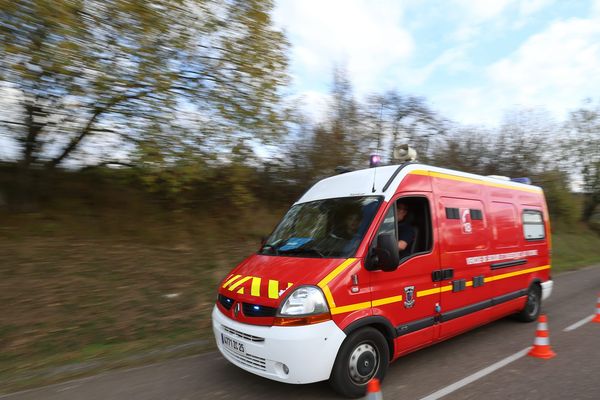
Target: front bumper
{"type": "Point", "coordinates": [294, 354]}
{"type": "Point", "coordinates": [547, 289]}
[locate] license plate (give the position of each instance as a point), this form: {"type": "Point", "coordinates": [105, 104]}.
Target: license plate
{"type": "Point", "coordinates": [233, 344]}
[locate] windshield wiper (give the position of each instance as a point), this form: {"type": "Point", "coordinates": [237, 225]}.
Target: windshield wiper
{"type": "Point", "coordinates": [305, 250]}
{"type": "Point", "coordinates": [269, 246]}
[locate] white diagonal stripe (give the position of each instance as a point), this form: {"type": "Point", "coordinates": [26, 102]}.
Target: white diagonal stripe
{"type": "Point", "coordinates": [477, 375]}
{"type": "Point", "coordinates": [578, 324]}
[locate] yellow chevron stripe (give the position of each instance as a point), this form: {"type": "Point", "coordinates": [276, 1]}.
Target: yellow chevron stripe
{"type": "Point", "coordinates": [238, 283]}
{"type": "Point", "coordinates": [273, 289]}
{"type": "Point", "coordinates": [231, 280]}
{"type": "Point", "coordinates": [255, 290]}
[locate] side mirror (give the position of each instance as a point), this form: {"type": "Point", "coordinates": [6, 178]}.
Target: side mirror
{"type": "Point", "coordinates": [385, 256]}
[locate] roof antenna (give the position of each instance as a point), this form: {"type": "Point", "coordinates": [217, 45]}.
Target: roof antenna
{"type": "Point", "coordinates": [375, 159]}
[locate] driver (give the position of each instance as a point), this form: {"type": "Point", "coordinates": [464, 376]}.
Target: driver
{"type": "Point", "coordinates": [406, 233]}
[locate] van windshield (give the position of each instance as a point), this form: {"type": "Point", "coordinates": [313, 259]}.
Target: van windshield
{"type": "Point", "coordinates": [323, 228]}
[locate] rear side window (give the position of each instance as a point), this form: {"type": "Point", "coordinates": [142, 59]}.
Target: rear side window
{"type": "Point", "coordinates": [533, 225]}
{"type": "Point", "coordinates": [452, 213]}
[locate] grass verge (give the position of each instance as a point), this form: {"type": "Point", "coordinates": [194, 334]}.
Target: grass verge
{"type": "Point", "coordinates": [577, 247]}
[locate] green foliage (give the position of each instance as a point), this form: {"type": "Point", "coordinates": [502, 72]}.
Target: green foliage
{"type": "Point", "coordinates": [332, 143]}
{"type": "Point", "coordinates": [584, 139]}
{"type": "Point", "coordinates": [591, 179]}
{"type": "Point", "coordinates": [563, 207]}
{"type": "Point", "coordinates": [594, 220]}
{"type": "Point", "coordinates": [575, 248]}
{"type": "Point", "coordinates": [98, 80]}
{"type": "Point", "coordinates": [519, 147]}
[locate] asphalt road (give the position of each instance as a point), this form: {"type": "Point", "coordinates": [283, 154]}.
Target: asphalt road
{"type": "Point", "coordinates": [573, 374]}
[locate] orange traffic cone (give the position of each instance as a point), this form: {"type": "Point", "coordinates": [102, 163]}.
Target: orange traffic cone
{"type": "Point", "coordinates": [541, 345]}
{"type": "Point", "coordinates": [374, 390]}
{"type": "Point", "coordinates": [597, 318]}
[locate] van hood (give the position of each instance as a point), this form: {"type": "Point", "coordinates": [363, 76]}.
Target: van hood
{"type": "Point", "coordinates": [263, 281]}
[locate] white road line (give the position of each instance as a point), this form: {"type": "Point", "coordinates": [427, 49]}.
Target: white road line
{"type": "Point", "coordinates": [477, 375]}
{"type": "Point", "coordinates": [578, 324]}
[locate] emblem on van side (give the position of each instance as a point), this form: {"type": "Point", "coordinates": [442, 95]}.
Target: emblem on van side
{"type": "Point", "coordinates": [409, 295]}
{"type": "Point", "coordinates": [466, 221]}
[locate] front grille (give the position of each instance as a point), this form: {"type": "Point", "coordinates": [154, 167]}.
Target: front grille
{"type": "Point", "coordinates": [225, 302]}
{"type": "Point", "coordinates": [243, 335]}
{"type": "Point", "coordinates": [254, 310]}
{"type": "Point", "coordinates": [248, 359]}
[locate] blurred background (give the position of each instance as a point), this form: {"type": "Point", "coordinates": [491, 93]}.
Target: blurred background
{"type": "Point", "coordinates": [147, 146]}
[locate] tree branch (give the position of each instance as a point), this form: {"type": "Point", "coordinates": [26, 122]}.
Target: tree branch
{"type": "Point", "coordinates": [98, 110]}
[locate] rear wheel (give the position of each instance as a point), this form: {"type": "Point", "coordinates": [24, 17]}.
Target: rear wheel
{"type": "Point", "coordinates": [533, 306]}
{"type": "Point", "coordinates": [363, 356]}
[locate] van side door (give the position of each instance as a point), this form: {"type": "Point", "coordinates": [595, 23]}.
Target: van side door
{"type": "Point", "coordinates": [464, 236]}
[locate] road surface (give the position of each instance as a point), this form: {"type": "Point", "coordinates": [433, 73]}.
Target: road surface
{"type": "Point", "coordinates": [454, 369]}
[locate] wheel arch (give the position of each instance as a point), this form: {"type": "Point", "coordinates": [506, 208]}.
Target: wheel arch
{"type": "Point", "coordinates": [382, 324]}
{"type": "Point", "coordinates": [536, 282]}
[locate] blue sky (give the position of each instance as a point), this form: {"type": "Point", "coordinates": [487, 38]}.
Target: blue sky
{"type": "Point", "coordinates": [473, 60]}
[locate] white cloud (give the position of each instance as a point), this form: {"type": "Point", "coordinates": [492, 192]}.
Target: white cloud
{"type": "Point", "coordinates": [555, 69]}
{"type": "Point", "coordinates": [485, 10]}
{"type": "Point", "coordinates": [314, 103]}
{"type": "Point", "coordinates": [476, 18]}
{"type": "Point", "coordinates": [482, 10]}
{"type": "Point", "coordinates": [466, 105]}
{"type": "Point", "coordinates": [596, 7]}
{"type": "Point", "coordinates": [367, 38]}
{"type": "Point", "coordinates": [529, 7]}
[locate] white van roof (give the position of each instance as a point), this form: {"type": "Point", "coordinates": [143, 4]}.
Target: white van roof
{"type": "Point", "coordinates": [373, 181]}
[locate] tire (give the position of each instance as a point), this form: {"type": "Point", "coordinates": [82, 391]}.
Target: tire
{"type": "Point", "coordinates": [363, 355]}
{"type": "Point", "coordinates": [533, 306]}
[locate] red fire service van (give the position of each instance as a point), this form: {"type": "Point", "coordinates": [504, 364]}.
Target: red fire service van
{"type": "Point", "coordinates": [373, 264]}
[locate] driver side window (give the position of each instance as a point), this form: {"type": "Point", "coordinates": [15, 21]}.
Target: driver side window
{"type": "Point", "coordinates": [389, 223]}
{"type": "Point", "coordinates": [408, 220]}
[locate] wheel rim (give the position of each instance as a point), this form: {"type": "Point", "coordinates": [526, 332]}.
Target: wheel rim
{"type": "Point", "coordinates": [532, 303]}
{"type": "Point", "coordinates": [363, 363]}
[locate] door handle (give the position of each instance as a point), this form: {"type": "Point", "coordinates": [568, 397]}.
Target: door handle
{"type": "Point", "coordinates": [442, 274]}
{"type": "Point", "coordinates": [447, 273]}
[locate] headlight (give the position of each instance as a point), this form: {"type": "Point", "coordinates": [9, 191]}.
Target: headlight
{"type": "Point", "coordinates": [305, 300]}
{"type": "Point", "coordinates": [305, 305]}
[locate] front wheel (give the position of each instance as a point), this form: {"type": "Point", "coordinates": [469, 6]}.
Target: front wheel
{"type": "Point", "coordinates": [533, 306]}
{"type": "Point", "coordinates": [363, 356]}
